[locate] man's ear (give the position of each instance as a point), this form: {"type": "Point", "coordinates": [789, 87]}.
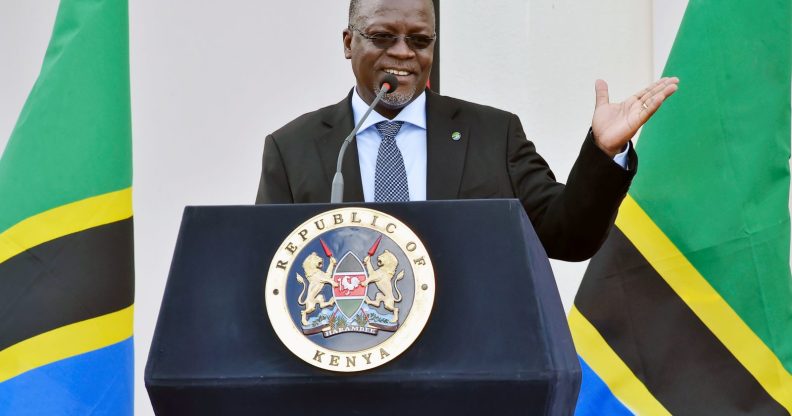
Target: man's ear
{"type": "Point", "coordinates": [347, 39]}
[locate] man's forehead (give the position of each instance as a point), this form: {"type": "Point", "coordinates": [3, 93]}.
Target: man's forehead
{"type": "Point", "coordinates": [415, 12]}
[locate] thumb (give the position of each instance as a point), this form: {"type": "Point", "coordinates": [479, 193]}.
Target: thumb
{"type": "Point", "coordinates": [601, 91]}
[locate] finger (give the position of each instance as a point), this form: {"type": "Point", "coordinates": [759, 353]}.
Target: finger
{"type": "Point", "coordinates": [662, 85]}
{"type": "Point", "coordinates": [671, 89]}
{"type": "Point", "coordinates": [601, 92]}
{"type": "Point", "coordinates": [661, 92]}
{"type": "Point", "coordinates": [642, 93]}
{"type": "Point", "coordinates": [650, 106]}
{"type": "Point", "coordinates": [656, 90]}
{"type": "Point", "coordinates": [652, 89]}
{"type": "Point", "coordinates": [643, 101]}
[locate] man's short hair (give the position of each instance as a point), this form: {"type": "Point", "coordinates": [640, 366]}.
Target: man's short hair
{"type": "Point", "coordinates": [354, 11]}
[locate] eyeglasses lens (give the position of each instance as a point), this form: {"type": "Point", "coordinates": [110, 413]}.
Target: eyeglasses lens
{"type": "Point", "coordinates": [385, 41]}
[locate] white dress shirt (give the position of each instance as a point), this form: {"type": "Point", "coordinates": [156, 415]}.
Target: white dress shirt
{"type": "Point", "coordinates": [411, 141]}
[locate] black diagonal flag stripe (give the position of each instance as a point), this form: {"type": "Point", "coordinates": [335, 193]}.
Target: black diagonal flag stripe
{"type": "Point", "coordinates": [661, 340]}
{"type": "Point", "coordinates": [66, 280]}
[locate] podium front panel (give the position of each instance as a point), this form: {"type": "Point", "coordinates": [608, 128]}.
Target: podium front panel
{"type": "Point", "coordinates": [496, 340]}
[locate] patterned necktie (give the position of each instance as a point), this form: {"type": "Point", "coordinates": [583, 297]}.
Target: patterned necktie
{"type": "Point", "coordinates": [390, 177]}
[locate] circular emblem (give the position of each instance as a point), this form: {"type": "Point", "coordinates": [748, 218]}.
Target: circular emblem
{"type": "Point", "coordinates": [350, 289]}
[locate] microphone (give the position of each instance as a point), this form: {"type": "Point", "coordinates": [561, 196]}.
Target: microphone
{"type": "Point", "coordinates": [387, 86]}
{"type": "Point", "coordinates": [390, 82]}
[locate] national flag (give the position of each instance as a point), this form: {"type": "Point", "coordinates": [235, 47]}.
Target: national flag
{"type": "Point", "coordinates": [66, 253]}
{"type": "Point", "coordinates": [687, 309]}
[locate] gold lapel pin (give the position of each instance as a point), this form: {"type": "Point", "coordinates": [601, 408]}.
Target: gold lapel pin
{"type": "Point", "coordinates": [455, 136]}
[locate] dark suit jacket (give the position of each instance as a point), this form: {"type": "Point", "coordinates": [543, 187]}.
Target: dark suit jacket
{"type": "Point", "coordinates": [493, 159]}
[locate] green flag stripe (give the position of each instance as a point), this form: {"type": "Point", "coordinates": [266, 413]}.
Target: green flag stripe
{"type": "Point", "coordinates": [714, 170]}
{"type": "Point", "coordinates": [661, 340]}
{"type": "Point", "coordinates": [66, 280]}
{"type": "Point", "coordinates": [73, 137]}
{"type": "Point", "coordinates": [708, 305]}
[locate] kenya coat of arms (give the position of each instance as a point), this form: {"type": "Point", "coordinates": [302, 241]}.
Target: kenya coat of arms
{"type": "Point", "coordinates": [350, 314]}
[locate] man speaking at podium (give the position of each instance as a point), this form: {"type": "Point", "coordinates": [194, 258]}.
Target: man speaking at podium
{"type": "Point", "coordinates": [418, 145]}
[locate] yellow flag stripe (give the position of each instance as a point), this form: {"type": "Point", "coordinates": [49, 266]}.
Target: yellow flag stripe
{"type": "Point", "coordinates": [705, 302]}
{"type": "Point", "coordinates": [64, 342]}
{"type": "Point", "coordinates": [64, 220]}
{"type": "Point", "coordinates": [621, 381]}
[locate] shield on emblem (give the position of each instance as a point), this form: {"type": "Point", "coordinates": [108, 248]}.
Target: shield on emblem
{"type": "Point", "coordinates": [350, 274]}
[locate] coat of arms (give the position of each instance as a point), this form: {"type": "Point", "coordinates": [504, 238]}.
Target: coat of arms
{"type": "Point", "coordinates": [341, 291]}
{"type": "Point", "coordinates": [350, 309]}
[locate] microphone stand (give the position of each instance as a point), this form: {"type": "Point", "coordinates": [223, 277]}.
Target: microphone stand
{"type": "Point", "coordinates": [337, 191]}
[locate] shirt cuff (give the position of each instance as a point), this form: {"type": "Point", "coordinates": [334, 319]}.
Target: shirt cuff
{"type": "Point", "coordinates": [621, 159]}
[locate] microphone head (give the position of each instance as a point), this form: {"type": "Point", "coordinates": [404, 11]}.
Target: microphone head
{"type": "Point", "coordinates": [390, 82]}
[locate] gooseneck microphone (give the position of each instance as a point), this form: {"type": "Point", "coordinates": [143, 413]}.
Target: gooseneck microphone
{"type": "Point", "coordinates": [387, 86]}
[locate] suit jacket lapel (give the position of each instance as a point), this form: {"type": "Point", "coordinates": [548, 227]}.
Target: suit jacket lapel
{"type": "Point", "coordinates": [339, 123]}
{"type": "Point", "coordinates": [445, 157]}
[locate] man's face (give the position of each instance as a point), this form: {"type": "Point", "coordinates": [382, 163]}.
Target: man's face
{"type": "Point", "coordinates": [371, 64]}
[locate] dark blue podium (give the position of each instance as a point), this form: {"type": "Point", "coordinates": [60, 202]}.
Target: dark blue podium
{"type": "Point", "coordinates": [497, 341]}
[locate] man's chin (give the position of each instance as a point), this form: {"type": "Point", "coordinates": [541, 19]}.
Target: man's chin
{"type": "Point", "coordinates": [398, 99]}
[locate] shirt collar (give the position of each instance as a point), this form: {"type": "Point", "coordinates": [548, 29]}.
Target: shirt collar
{"type": "Point", "coordinates": [414, 113]}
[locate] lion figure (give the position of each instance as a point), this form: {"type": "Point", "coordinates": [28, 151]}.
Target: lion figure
{"type": "Point", "coordinates": [316, 280]}
{"type": "Point", "coordinates": [383, 278]}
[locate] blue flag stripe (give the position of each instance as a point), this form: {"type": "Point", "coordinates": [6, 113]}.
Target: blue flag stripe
{"type": "Point", "coordinates": [95, 383]}
{"type": "Point", "coordinates": [595, 397]}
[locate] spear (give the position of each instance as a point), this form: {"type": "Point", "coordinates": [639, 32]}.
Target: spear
{"type": "Point", "coordinates": [373, 248]}
{"type": "Point", "coordinates": [326, 249]}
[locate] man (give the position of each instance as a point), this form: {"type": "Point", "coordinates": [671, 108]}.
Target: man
{"type": "Point", "coordinates": [420, 145]}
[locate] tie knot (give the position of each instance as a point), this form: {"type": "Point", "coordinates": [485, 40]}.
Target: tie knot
{"type": "Point", "coordinates": [388, 129]}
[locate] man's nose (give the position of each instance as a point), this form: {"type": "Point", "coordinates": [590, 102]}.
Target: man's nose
{"type": "Point", "coordinates": [400, 49]}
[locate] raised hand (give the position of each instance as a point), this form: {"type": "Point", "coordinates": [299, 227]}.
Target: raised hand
{"type": "Point", "coordinates": [614, 124]}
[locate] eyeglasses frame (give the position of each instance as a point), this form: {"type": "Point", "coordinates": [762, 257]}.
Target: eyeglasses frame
{"type": "Point", "coordinates": [371, 38]}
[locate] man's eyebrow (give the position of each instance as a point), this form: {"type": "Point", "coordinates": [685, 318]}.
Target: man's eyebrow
{"type": "Point", "coordinates": [376, 25]}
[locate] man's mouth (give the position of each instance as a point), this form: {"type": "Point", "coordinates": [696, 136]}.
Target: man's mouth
{"type": "Point", "coordinates": [397, 72]}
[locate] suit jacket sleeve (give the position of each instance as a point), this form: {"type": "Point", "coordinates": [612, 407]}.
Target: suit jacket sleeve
{"type": "Point", "coordinates": [274, 184]}
{"type": "Point", "coordinates": [571, 220]}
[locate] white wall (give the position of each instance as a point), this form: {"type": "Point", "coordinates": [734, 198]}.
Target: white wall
{"type": "Point", "coordinates": [539, 60]}
{"type": "Point", "coordinates": [666, 17]}
{"type": "Point", "coordinates": [25, 28]}
{"type": "Point", "coordinates": [210, 79]}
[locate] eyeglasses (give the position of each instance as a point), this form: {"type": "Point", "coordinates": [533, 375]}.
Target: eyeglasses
{"type": "Point", "coordinates": [387, 40]}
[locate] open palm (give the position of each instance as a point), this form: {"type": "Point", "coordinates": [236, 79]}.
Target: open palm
{"type": "Point", "coordinates": [614, 124]}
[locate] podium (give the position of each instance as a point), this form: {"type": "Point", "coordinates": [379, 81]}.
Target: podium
{"type": "Point", "coordinates": [497, 341]}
